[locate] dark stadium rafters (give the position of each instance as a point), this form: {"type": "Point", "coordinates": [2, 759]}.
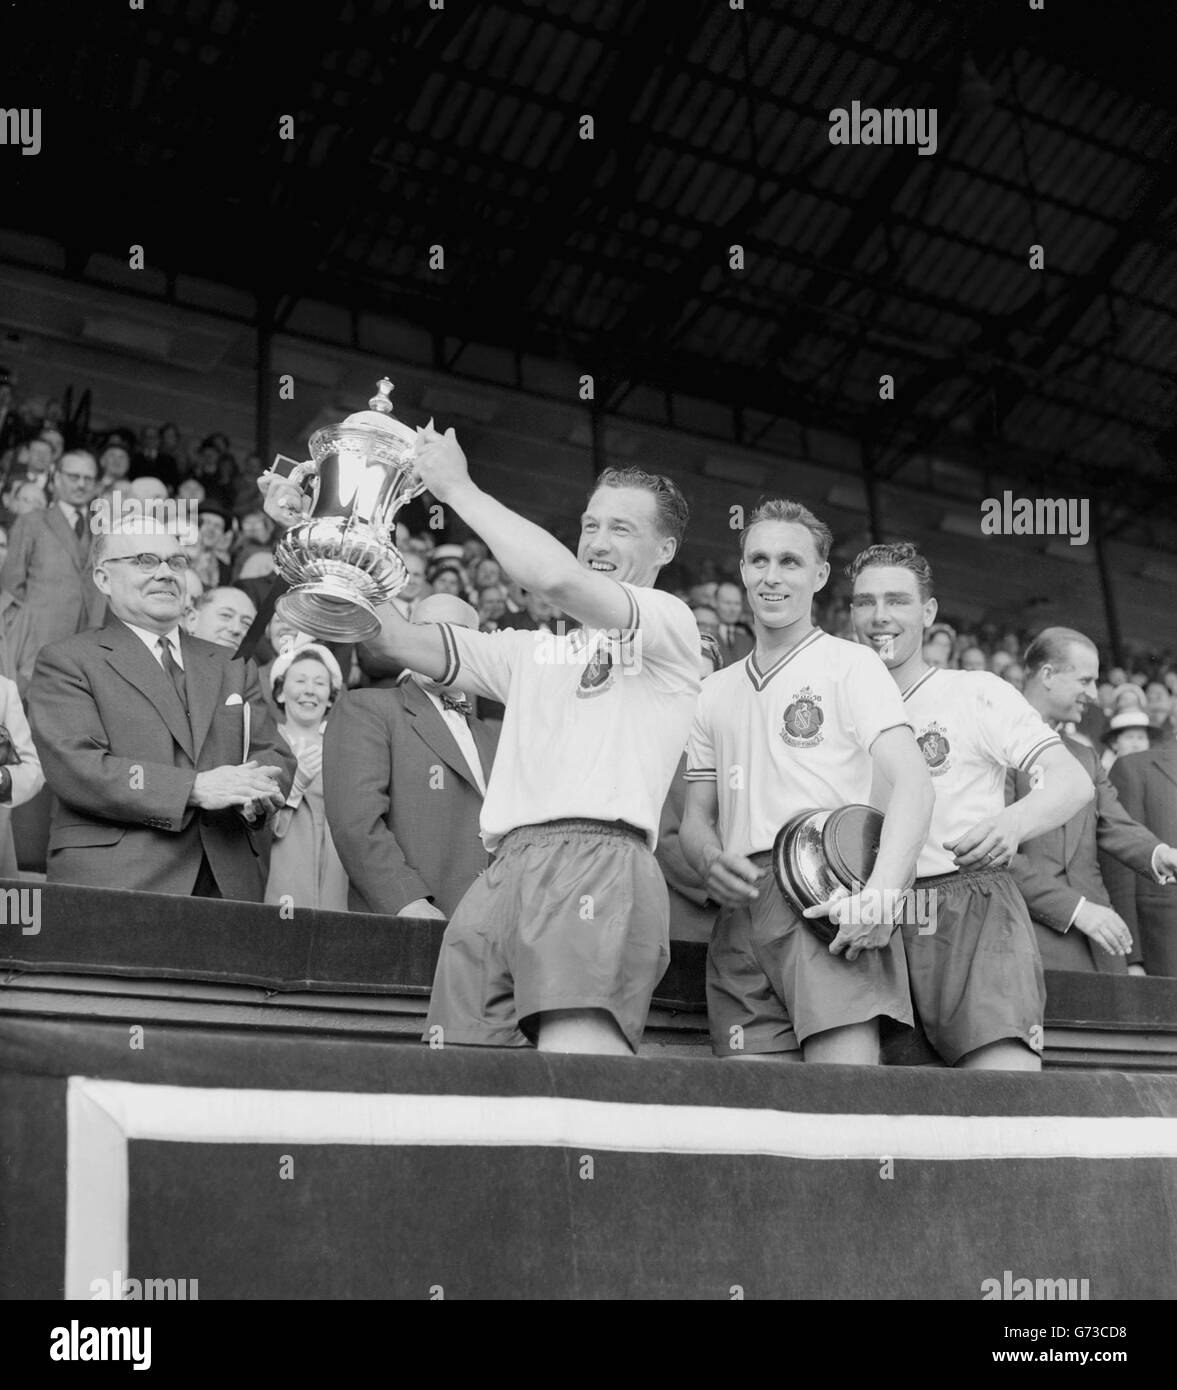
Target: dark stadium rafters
{"type": "Point", "coordinates": [417, 126]}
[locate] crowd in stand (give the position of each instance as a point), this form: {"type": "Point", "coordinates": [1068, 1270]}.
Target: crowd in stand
{"type": "Point", "coordinates": [346, 828]}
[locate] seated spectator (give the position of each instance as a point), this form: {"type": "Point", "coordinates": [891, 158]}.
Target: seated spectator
{"type": "Point", "coordinates": [734, 635]}
{"type": "Point", "coordinates": [192, 490]}
{"type": "Point", "coordinates": [1129, 732]}
{"type": "Point", "coordinates": [488, 574]}
{"type": "Point", "coordinates": [56, 441]}
{"type": "Point", "coordinates": [25, 497]}
{"type": "Point", "coordinates": [474, 551]}
{"type": "Point", "coordinates": [244, 485]}
{"type": "Point", "coordinates": [706, 620]}
{"type": "Point", "coordinates": [1159, 707]}
{"type": "Point", "coordinates": [223, 616]}
{"type": "Point", "coordinates": [305, 869]}
{"type": "Point", "coordinates": [211, 555]}
{"type": "Point", "coordinates": [537, 614]}
{"type": "Point", "coordinates": [21, 777]}
{"type": "Point", "coordinates": [282, 638]}
{"type": "Point", "coordinates": [256, 537]}
{"type": "Point", "coordinates": [447, 579]}
{"type": "Point", "coordinates": [973, 659]}
{"type": "Point", "coordinates": [151, 460]}
{"type": "Point", "coordinates": [1015, 674]}
{"type": "Point", "coordinates": [938, 644]}
{"type": "Point", "coordinates": [405, 772]}
{"type": "Point", "coordinates": [114, 466]}
{"type": "Point", "coordinates": [999, 661]}
{"type": "Point", "coordinates": [492, 607]}
{"type": "Point", "coordinates": [47, 569]}
{"type": "Point", "coordinates": [1128, 696]}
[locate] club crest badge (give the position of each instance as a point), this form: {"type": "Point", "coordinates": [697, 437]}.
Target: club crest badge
{"type": "Point", "coordinates": [803, 720]}
{"type": "Point", "coordinates": [935, 747]}
{"type": "Point", "coordinates": [597, 676]}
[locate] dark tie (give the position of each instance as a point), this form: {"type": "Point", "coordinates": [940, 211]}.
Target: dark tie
{"type": "Point", "coordinates": [464, 708]}
{"type": "Point", "coordinates": [79, 525]}
{"type": "Point", "coordinates": [174, 670]}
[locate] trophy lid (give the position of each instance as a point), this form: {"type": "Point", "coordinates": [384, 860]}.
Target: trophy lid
{"type": "Point", "coordinates": [379, 414]}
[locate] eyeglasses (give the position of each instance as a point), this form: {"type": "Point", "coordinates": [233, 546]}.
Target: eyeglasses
{"type": "Point", "coordinates": [148, 562]}
{"type": "Point", "coordinates": [78, 477]}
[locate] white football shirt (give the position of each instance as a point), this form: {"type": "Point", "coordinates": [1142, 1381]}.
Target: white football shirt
{"type": "Point", "coordinates": [791, 738]}
{"type": "Point", "coordinates": [970, 726]}
{"type": "Point", "coordinates": [595, 723]}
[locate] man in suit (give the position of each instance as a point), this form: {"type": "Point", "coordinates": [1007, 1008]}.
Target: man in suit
{"type": "Point", "coordinates": [142, 732]}
{"type": "Point", "coordinates": [1147, 785]}
{"type": "Point", "coordinates": [47, 571]}
{"type": "Point", "coordinates": [1059, 873]}
{"type": "Point", "coordinates": [735, 636]}
{"type": "Point", "coordinates": [404, 776]}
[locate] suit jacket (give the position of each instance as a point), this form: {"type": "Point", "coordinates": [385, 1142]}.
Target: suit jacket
{"type": "Point", "coordinates": [1147, 784]}
{"type": "Point", "coordinates": [743, 640]}
{"type": "Point", "coordinates": [47, 574]}
{"type": "Point", "coordinates": [402, 805]}
{"type": "Point", "coordinates": [1055, 870]}
{"type": "Point", "coordinates": [121, 757]}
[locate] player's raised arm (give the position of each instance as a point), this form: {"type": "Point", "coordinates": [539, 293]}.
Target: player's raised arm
{"type": "Point", "coordinates": [533, 558]}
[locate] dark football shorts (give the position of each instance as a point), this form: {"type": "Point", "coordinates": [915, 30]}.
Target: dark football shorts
{"type": "Point", "coordinates": [976, 973]}
{"type": "Point", "coordinates": [771, 983]}
{"type": "Point", "coordinates": [570, 915]}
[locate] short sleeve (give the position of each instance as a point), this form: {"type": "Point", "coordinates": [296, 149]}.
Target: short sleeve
{"type": "Point", "coordinates": [701, 761]}
{"type": "Point", "coordinates": [1009, 728]}
{"type": "Point", "coordinates": [481, 663]}
{"type": "Point", "coordinates": [872, 699]}
{"type": "Point", "coordinates": [663, 631]}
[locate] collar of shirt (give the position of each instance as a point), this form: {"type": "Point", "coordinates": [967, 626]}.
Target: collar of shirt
{"type": "Point", "coordinates": [70, 512]}
{"type": "Point", "coordinates": [151, 641]}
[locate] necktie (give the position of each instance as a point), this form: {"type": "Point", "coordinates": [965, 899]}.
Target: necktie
{"type": "Point", "coordinates": [463, 707]}
{"type": "Point", "coordinates": [79, 525]}
{"type": "Point", "coordinates": [174, 670]}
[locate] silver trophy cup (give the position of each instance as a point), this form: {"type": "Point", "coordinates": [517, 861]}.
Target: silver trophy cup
{"type": "Point", "coordinates": [341, 562]}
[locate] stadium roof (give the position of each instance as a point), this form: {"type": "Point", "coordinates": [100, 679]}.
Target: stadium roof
{"type": "Point", "coordinates": [461, 127]}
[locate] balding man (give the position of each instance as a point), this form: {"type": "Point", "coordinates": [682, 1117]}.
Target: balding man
{"type": "Point", "coordinates": [404, 774]}
{"type": "Point", "coordinates": [1058, 873]}
{"type": "Point", "coordinates": [143, 732]}
{"type": "Point", "coordinates": [47, 570]}
{"type": "Point", "coordinates": [223, 616]}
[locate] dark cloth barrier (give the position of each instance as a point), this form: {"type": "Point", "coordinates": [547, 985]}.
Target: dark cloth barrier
{"type": "Point", "coordinates": [150, 936]}
{"type": "Point", "coordinates": [292, 1166]}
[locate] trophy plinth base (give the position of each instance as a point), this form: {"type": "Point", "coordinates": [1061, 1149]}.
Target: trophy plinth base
{"type": "Point", "coordinates": [330, 609]}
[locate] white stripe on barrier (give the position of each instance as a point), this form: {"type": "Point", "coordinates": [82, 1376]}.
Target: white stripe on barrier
{"type": "Point", "coordinates": [104, 1115]}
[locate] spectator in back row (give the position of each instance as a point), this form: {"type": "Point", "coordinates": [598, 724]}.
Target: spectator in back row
{"type": "Point", "coordinates": [47, 569]}
{"type": "Point", "coordinates": [305, 868]}
{"type": "Point", "coordinates": [223, 616]}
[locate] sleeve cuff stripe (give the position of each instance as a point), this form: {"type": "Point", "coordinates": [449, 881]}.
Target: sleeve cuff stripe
{"type": "Point", "coordinates": [453, 665]}
{"type": "Point", "coordinates": [1039, 748]}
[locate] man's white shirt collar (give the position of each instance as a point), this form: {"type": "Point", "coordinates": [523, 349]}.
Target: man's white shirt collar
{"type": "Point", "coordinates": [151, 641]}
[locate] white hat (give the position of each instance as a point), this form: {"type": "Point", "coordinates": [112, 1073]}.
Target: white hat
{"type": "Point", "coordinates": [283, 663]}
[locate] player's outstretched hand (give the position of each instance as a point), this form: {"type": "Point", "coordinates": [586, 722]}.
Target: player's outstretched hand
{"type": "Point", "coordinates": [441, 462]}
{"type": "Point", "coordinates": [732, 879]}
{"type": "Point", "coordinates": [990, 844]}
{"type": "Point", "coordinates": [864, 920]}
{"type": "Point", "coordinates": [284, 502]}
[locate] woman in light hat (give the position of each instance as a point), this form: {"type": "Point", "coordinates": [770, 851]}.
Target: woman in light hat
{"type": "Point", "coordinates": [304, 866]}
{"type": "Point", "coordinates": [1128, 732]}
